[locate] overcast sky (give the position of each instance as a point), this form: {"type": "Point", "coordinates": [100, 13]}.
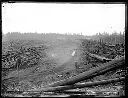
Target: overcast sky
{"type": "Point", "coordinates": [87, 19]}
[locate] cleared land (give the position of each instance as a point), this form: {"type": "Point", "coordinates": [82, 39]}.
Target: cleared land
{"type": "Point", "coordinates": [30, 64]}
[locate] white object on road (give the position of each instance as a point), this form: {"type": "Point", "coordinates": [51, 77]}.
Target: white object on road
{"type": "Point", "coordinates": [73, 53]}
{"type": "Point", "coordinates": [53, 55]}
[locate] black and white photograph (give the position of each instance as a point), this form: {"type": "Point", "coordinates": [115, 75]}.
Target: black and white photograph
{"type": "Point", "coordinates": [63, 49]}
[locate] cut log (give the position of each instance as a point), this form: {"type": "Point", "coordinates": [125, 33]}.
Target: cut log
{"type": "Point", "coordinates": [81, 85]}
{"type": "Point", "coordinates": [78, 85]}
{"type": "Point", "coordinates": [85, 75]}
{"type": "Point", "coordinates": [101, 58]}
{"type": "Point", "coordinates": [68, 83]}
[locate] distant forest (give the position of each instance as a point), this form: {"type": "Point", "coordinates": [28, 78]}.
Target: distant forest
{"type": "Point", "coordinates": [40, 36]}
{"type": "Point", "coordinates": [114, 38]}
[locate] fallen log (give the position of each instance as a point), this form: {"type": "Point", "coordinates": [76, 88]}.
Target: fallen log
{"type": "Point", "coordinates": [78, 85]}
{"type": "Point", "coordinates": [101, 58]}
{"type": "Point", "coordinates": [85, 75]}
{"type": "Point", "coordinates": [82, 85]}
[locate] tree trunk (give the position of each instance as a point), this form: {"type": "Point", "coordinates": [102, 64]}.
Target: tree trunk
{"type": "Point", "coordinates": [86, 75]}
{"type": "Point", "coordinates": [101, 58]}
{"type": "Point", "coordinates": [81, 85]}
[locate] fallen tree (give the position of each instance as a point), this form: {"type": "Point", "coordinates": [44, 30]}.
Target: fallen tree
{"type": "Point", "coordinates": [101, 58]}
{"type": "Point", "coordinates": [82, 85]}
{"type": "Point", "coordinates": [69, 83]}
{"type": "Point", "coordinates": [86, 75]}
